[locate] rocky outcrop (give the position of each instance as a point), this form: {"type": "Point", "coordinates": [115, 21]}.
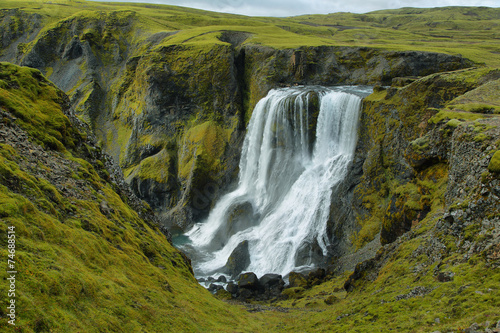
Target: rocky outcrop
{"type": "Point", "coordinates": [433, 166]}
{"type": "Point", "coordinates": [238, 260]}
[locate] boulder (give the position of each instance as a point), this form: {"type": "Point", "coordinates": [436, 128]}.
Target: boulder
{"type": "Point", "coordinates": [213, 288]}
{"type": "Point", "coordinates": [222, 279]}
{"type": "Point", "coordinates": [232, 288]}
{"type": "Point", "coordinates": [238, 260]}
{"type": "Point", "coordinates": [249, 281]}
{"type": "Point", "coordinates": [272, 284]}
{"type": "Point", "coordinates": [316, 277]}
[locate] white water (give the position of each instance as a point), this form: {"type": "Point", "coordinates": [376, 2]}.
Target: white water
{"type": "Point", "coordinates": [282, 202]}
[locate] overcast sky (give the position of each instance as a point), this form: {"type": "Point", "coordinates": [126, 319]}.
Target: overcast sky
{"type": "Point", "coordinates": [298, 7]}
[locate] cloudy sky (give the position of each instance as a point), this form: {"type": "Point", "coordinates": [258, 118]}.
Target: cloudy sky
{"type": "Point", "coordinates": [298, 7]}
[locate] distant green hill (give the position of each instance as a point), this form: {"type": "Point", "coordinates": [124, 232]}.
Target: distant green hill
{"type": "Point", "coordinates": [470, 31]}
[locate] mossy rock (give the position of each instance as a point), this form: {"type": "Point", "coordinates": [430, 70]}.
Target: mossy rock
{"type": "Point", "coordinates": [297, 280]}
{"type": "Point", "coordinates": [494, 165]}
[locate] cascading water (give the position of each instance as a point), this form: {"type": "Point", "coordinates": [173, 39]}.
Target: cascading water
{"type": "Point", "coordinates": [282, 203]}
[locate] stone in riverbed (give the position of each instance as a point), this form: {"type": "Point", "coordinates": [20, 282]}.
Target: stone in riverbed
{"type": "Point", "coordinates": [238, 260]}
{"type": "Point", "coordinates": [248, 281]}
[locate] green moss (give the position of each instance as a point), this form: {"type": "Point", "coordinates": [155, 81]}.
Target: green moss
{"type": "Point", "coordinates": [494, 165]}
{"type": "Point", "coordinates": [82, 266]}
{"type": "Point", "coordinates": [203, 145]}
{"type": "Point", "coordinates": [420, 144]}
{"type": "Point", "coordinates": [453, 123]}
{"type": "Point", "coordinates": [447, 115]}
{"type": "Point", "coordinates": [481, 137]}
{"type": "Point", "coordinates": [35, 102]}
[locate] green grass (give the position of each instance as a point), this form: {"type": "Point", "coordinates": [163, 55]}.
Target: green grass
{"type": "Point", "coordinates": [445, 29]}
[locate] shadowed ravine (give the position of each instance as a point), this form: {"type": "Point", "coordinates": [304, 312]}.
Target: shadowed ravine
{"type": "Point", "coordinates": [298, 147]}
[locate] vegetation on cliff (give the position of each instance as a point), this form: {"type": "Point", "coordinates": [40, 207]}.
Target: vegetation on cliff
{"type": "Point", "coordinates": [167, 92]}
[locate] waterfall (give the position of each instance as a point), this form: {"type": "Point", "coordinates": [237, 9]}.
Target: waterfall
{"type": "Point", "coordinates": [282, 203]}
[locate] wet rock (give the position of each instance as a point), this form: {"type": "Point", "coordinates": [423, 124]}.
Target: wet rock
{"type": "Point", "coordinates": [232, 288]}
{"type": "Point", "coordinates": [238, 260]}
{"type": "Point", "coordinates": [248, 281]}
{"type": "Point", "coordinates": [273, 285]}
{"type": "Point", "coordinates": [214, 287]}
{"type": "Point", "coordinates": [270, 280]}
{"type": "Point", "coordinates": [222, 279]}
{"type": "Point", "coordinates": [309, 252]}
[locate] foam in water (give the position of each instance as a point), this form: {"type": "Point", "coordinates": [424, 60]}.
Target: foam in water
{"type": "Point", "coordinates": [282, 203]}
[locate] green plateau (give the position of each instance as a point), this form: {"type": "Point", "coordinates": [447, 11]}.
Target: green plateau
{"type": "Point", "coordinates": [121, 124]}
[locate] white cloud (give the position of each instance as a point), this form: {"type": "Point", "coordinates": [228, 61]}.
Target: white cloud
{"type": "Point", "coordinates": [299, 7]}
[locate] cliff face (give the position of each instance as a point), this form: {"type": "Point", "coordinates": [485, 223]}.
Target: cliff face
{"type": "Point", "coordinates": [171, 111]}
{"type": "Point", "coordinates": [429, 171]}
{"type": "Point", "coordinates": [154, 104]}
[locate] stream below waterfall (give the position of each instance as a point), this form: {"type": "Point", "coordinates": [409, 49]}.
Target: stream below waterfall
{"type": "Point", "coordinates": [299, 146]}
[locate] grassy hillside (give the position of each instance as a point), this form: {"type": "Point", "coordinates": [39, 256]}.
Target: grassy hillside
{"type": "Point", "coordinates": [86, 260]}
{"type": "Point", "coordinates": [470, 31]}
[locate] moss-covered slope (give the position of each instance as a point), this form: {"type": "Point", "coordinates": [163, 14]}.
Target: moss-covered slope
{"type": "Point", "coordinates": [89, 256]}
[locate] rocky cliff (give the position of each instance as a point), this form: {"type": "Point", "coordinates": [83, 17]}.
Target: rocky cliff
{"type": "Point", "coordinates": [173, 114]}
{"type": "Point", "coordinates": [168, 100]}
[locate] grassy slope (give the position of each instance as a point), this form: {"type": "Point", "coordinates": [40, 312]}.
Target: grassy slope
{"type": "Point", "coordinates": [82, 269]}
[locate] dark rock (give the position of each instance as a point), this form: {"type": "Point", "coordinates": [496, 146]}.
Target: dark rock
{"type": "Point", "coordinates": [238, 260]}
{"type": "Point", "coordinates": [201, 280]}
{"type": "Point", "coordinates": [245, 294]}
{"type": "Point", "coordinates": [270, 280]}
{"type": "Point", "coordinates": [316, 277]}
{"type": "Point", "coordinates": [248, 281]}
{"type": "Point", "coordinates": [358, 273]}
{"type": "Point", "coordinates": [296, 280]}
{"type": "Point", "coordinates": [272, 284]}
{"type": "Point", "coordinates": [214, 287]}
{"type": "Point", "coordinates": [445, 276]}
{"type": "Point", "coordinates": [232, 288]}
{"type": "Point", "coordinates": [222, 279]}
{"type": "Point", "coordinates": [309, 252]}
{"type": "Point", "coordinates": [73, 50]}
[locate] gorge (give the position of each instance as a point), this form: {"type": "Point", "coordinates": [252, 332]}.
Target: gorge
{"type": "Point", "coordinates": [364, 144]}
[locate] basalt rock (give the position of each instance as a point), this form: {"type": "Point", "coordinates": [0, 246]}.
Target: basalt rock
{"type": "Point", "coordinates": [238, 260]}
